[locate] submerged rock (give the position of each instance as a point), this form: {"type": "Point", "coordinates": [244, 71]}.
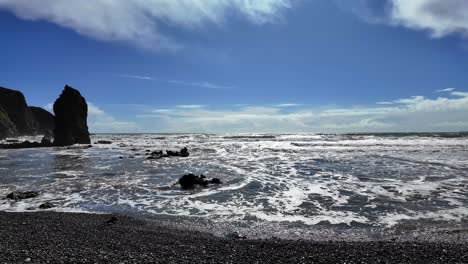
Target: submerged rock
{"type": "Point", "coordinates": [46, 205]}
{"type": "Point", "coordinates": [22, 195]}
{"type": "Point", "coordinates": [26, 145]}
{"type": "Point", "coordinates": [169, 153]}
{"type": "Point", "coordinates": [71, 113]}
{"type": "Point", "coordinates": [104, 142]}
{"type": "Point", "coordinates": [189, 181]}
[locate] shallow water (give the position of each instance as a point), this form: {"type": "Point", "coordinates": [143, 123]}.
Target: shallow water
{"type": "Point", "coordinates": [304, 179]}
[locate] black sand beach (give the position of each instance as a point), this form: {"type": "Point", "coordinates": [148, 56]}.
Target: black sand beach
{"type": "Point", "coordinates": [49, 237]}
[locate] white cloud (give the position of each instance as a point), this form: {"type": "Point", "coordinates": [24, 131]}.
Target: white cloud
{"type": "Point", "coordinates": [439, 17]}
{"type": "Point", "coordinates": [138, 77]}
{"type": "Point", "coordinates": [445, 90]}
{"type": "Point", "coordinates": [141, 21]}
{"type": "Point", "coordinates": [417, 113]}
{"type": "Point", "coordinates": [190, 106]}
{"type": "Point", "coordinates": [287, 105]}
{"type": "Point", "coordinates": [101, 122]}
{"type": "Point", "coordinates": [200, 84]}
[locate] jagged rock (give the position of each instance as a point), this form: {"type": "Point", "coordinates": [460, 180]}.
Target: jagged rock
{"type": "Point", "coordinates": [44, 119]}
{"type": "Point", "coordinates": [184, 152]}
{"type": "Point", "coordinates": [7, 128]}
{"type": "Point", "coordinates": [71, 112]}
{"type": "Point", "coordinates": [46, 205]}
{"type": "Point", "coordinates": [215, 181]}
{"type": "Point", "coordinates": [189, 181]}
{"type": "Point", "coordinates": [169, 153]}
{"type": "Point", "coordinates": [14, 104]}
{"type": "Point", "coordinates": [26, 145]}
{"type": "Point", "coordinates": [47, 138]}
{"type": "Point", "coordinates": [104, 142]}
{"type": "Point", "coordinates": [22, 195]}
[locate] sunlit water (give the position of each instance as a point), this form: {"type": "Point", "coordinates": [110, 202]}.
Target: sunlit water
{"type": "Point", "coordinates": [370, 180]}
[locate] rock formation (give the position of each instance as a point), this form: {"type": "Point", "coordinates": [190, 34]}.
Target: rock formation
{"type": "Point", "coordinates": [7, 128]}
{"type": "Point", "coordinates": [189, 181]}
{"type": "Point", "coordinates": [44, 119]}
{"type": "Point", "coordinates": [71, 112]}
{"type": "Point", "coordinates": [14, 104]}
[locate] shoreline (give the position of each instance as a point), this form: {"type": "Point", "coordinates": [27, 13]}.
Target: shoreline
{"type": "Point", "coordinates": [39, 237]}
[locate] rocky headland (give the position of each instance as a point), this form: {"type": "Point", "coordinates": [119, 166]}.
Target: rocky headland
{"type": "Point", "coordinates": [67, 127]}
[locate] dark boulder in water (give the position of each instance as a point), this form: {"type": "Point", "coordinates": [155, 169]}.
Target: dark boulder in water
{"type": "Point", "coordinates": [26, 145]}
{"type": "Point", "coordinates": [215, 181]}
{"type": "Point", "coordinates": [44, 119]}
{"type": "Point", "coordinates": [189, 181]}
{"type": "Point", "coordinates": [184, 152]}
{"type": "Point", "coordinates": [103, 142]}
{"type": "Point", "coordinates": [46, 205]}
{"type": "Point", "coordinates": [22, 195]}
{"type": "Point", "coordinates": [71, 113]}
{"type": "Point", "coordinates": [169, 153]}
{"type": "Point", "coordinates": [14, 105]}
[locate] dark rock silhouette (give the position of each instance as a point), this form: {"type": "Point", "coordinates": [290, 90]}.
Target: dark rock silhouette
{"type": "Point", "coordinates": [14, 104]}
{"type": "Point", "coordinates": [44, 119]}
{"type": "Point", "coordinates": [71, 112]}
{"type": "Point", "coordinates": [22, 195]}
{"type": "Point", "coordinates": [7, 128]}
{"type": "Point", "coordinates": [189, 181]}
{"type": "Point", "coordinates": [169, 153]}
{"type": "Point", "coordinates": [47, 138]}
{"type": "Point", "coordinates": [46, 205]}
{"type": "Point", "coordinates": [103, 142]}
{"type": "Point", "coordinates": [26, 145]}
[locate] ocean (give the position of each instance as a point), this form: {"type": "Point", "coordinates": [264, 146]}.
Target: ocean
{"type": "Point", "coordinates": [293, 181]}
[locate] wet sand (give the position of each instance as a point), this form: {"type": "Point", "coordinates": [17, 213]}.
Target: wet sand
{"type": "Point", "coordinates": [50, 237]}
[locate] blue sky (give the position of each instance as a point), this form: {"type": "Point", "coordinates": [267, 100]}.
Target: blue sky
{"type": "Point", "coordinates": [244, 65]}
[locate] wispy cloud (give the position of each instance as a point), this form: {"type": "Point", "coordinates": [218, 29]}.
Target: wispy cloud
{"type": "Point", "coordinates": [138, 77]}
{"type": "Point", "coordinates": [194, 106]}
{"type": "Point", "coordinates": [445, 90]}
{"type": "Point", "coordinates": [438, 17]}
{"type": "Point", "coordinates": [207, 85]}
{"type": "Point", "coordinates": [416, 113]}
{"type": "Point", "coordinates": [287, 105]}
{"type": "Point", "coordinates": [141, 22]}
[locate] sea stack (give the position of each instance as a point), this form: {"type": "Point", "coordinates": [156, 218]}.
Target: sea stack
{"type": "Point", "coordinates": [71, 113]}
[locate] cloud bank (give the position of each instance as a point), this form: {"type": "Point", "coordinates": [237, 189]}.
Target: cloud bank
{"type": "Point", "coordinates": [438, 17]}
{"type": "Point", "coordinates": [412, 114]}
{"type": "Point", "coordinates": [141, 22]}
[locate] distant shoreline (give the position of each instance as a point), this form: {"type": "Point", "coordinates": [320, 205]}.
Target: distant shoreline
{"type": "Point", "coordinates": [87, 238]}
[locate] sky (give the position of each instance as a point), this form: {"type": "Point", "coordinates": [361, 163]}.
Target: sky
{"type": "Point", "coordinates": [244, 66]}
